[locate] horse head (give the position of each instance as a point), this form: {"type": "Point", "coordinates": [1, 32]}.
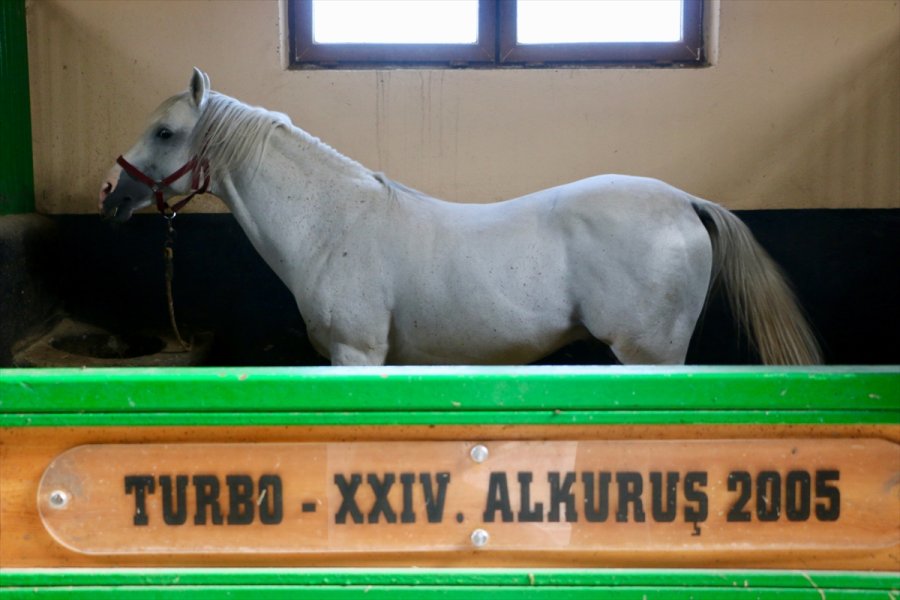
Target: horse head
{"type": "Point", "coordinates": [161, 164]}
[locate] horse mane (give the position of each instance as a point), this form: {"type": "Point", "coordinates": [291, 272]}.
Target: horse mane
{"type": "Point", "coordinates": [230, 133]}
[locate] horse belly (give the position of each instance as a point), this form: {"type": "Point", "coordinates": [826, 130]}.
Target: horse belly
{"type": "Point", "coordinates": [486, 345]}
{"type": "Point", "coordinates": [510, 313]}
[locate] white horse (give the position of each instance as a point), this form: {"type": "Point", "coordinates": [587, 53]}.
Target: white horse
{"type": "Point", "coordinates": [386, 274]}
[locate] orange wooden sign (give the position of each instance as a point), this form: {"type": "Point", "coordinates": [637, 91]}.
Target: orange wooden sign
{"type": "Point", "coordinates": [658, 496]}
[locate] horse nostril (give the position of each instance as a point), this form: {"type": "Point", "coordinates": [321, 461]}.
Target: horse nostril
{"type": "Point", "coordinates": [105, 191]}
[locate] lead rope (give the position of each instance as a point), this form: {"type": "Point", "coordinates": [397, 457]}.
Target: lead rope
{"type": "Point", "coordinates": [199, 169]}
{"type": "Point", "coordinates": [169, 253]}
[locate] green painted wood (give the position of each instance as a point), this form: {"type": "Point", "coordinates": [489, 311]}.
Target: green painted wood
{"type": "Point", "coordinates": [374, 593]}
{"type": "Point", "coordinates": [552, 391]}
{"type": "Point", "coordinates": [16, 167]}
{"type": "Point", "coordinates": [446, 583]}
{"type": "Point", "coordinates": [511, 417]}
{"type": "Point", "coordinates": [398, 577]}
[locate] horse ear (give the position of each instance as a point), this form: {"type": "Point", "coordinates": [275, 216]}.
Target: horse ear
{"type": "Point", "coordinates": [199, 88]}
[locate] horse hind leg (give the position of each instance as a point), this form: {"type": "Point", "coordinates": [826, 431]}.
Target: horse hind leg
{"type": "Point", "coordinates": [653, 346]}
{"type": "Point", "coordinates": [656, 326]}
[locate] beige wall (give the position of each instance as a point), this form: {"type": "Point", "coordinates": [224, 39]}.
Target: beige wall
{"type": "Point", "coordinates": [801, 110]}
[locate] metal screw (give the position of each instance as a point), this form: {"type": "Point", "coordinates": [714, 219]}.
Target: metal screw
{"type": "Point", "coordinates": [479, 453]}
{"type": "Point", "coordinates": [58, 499]}
{"type": "Point", "coordinates": [480, 538]}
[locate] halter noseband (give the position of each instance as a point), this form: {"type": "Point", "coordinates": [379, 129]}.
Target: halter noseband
{"type": "Point", "coordinates": [197, 169]}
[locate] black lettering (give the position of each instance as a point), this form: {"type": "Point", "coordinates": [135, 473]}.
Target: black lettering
{"type": "Point", "coordinates": [498, 499]}
{"type": "Point", "coordinates": [697, 514]}
{"type": "Point", "coordinates": [206, 491]}
{"type": "Point", "coordinates": [178, 515]}
{"type": "Point", "coordinates": [271, 503]}
{"type": "Point", "coordinates": [631, 486]}
{"type": "Point", "coordinates": [434, 505]}
{"type": "Point", "coordinates": [666, 515]}
{"type": "Point", "coordinates": [742, 480]}
{"type": "Point", "coordinates": [561, 494]}
{"type": "Point", "coordinates": [831, 510]}
{"type": "Point", "coordinates": [240, 499]}
{"type": "Point", "coordinates": [596, 512]}
{"type": "Point", "coordinates": [797, 496]}
{"type": "Point", "coordinates": [381, 506]}
{"type": "Point", "coordinates": [768, 496]}
{"type": "Point", "coordinates": [528, 513]}
{"type": "Point", "coordinates": [348, 498]}
{"type": "Point", "coordinates": [407, 480]}
{"type": "Point", "coordinates": [140, 485]}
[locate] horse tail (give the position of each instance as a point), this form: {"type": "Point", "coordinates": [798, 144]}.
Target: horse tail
{"type": "Point", "coordinates": [758, 292]}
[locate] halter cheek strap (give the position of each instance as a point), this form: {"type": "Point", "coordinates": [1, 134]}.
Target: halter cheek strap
{"type": "Point", "coordinates": [198, 170]}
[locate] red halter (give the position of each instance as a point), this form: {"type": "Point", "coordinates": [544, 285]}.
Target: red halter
{"type": "Point", "coordinates": [197, 170]}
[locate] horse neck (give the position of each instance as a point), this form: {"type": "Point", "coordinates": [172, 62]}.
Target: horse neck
{"type": "Point", "coordinates": [300, 196]}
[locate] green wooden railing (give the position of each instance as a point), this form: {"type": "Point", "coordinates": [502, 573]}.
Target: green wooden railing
{"type": "Point", "coordinates": [447, 396]}
{"type": "Point", "coordinates": [464, 584]}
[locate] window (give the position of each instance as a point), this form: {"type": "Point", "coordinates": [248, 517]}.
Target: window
{"type": "Point", "coordinates": [494, 33]}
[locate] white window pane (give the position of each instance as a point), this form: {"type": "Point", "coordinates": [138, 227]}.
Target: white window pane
{"type": "Point", "coordinates": [575, 21]}
{"type": "Point", "coordinates": [395, 21]}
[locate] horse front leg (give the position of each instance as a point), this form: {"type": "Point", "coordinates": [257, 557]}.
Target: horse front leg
{"type": "Point", "coordinates": [359, 341]}
{"type": "Point", "coordinates": [347, 355]}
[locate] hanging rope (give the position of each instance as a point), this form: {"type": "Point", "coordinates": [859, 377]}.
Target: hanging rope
{"type": "Point", "coordinates": [169, 253]}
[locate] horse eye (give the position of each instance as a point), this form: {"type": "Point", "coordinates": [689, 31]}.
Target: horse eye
{"type": "Point", "coordinates": [164, 133]}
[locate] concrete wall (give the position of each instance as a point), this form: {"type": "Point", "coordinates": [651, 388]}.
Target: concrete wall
{"type": "Point", "coordinates": [802, 109]}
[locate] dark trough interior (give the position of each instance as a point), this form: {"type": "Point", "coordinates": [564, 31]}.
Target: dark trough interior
{"type": "Point", "coordinates": [107, 346]}
{"type": "Point", "coordinates": [843, 264]}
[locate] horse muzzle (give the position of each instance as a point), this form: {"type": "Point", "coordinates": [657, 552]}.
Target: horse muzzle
{"type": "Point", "coordinates": [120, 195]}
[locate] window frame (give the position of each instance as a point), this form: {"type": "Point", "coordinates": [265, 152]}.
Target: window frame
{"type": "Point", "coordinates": [496, 46]}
